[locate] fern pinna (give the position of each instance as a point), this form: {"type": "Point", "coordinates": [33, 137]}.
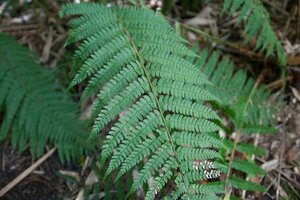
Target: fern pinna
{"type": "Point", "coordinates": [257, 23]}
{"type": "Point", "coordinates": [35, 109]}
{"type": "Point", "coordinates": [136, 65]}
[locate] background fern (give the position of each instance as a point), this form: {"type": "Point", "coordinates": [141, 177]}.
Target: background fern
{"type": "Point", "coordinates": [36, 109]}
{"type": "Point", "coordinates": [244, 102]}
{"type": "Point", "coordinates": [257, 24]}
{"type": "Point", "coordinates": [135, 64]}
{"type": "Point", "coordinates": [242, 99]}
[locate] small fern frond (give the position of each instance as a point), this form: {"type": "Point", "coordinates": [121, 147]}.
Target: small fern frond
{"type": "Point", "coordinates": [36, 110]}
{"type": "Point", "coordinates": [257, 24]}
{"type": "Point", "coordinates": [151, 93]}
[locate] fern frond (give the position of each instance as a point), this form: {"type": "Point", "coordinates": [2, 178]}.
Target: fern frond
{"type": "Point", "coordinates": [145, 84]}
{"type": "Point", "coordinates": [161, 156]}
{"type": "Point", "coordinates": [189, 153]}
{"type": "Point", "coordinates": [187, 107]}
{"type": "Point", "coordinates": [245, 185]}
{"type": "Point", "coordinates": [243, 101]}
{"type": "Point", "coordinates": [196, 140]}
{"type": "Point", "coordinates": [212, 187]}
{"type": "Point", "coordinates": [257, 24]}
{"type": "Point", "coordinates": [250, 149]}
{"type": "Point", "coordinates": [248, 167]}
{"type": "Point", "coordinates": [123, 128]}
{"type": "Point", "coordinates": [245, 104]}
{"type": "Point", "coordinates": [36, 110]}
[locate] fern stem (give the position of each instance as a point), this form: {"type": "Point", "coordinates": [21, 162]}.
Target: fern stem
{"type": "Point", "coordinates": [249, 99]}
{"type": "Point", "coordinates": [146, 74]}
{"type": "Point", "coordinates": [236, 140]}
{"type": "Point", "coordinates": [227, 188]}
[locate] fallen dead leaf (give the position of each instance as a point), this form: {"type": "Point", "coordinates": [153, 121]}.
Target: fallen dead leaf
{"type": "Point", "coordinates": [296, 93]}
{"type": "Point", "coordinates": [270, 165]}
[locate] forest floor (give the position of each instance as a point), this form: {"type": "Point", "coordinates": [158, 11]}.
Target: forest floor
{"type": "Point", "coordinates": [37, 26]}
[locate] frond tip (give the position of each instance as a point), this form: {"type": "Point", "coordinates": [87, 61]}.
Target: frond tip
{"type": "Point", "coordinates": [138, 68]}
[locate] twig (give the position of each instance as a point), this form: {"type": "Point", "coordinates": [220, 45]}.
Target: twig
{"type": "Point", "coordinates": [227, 188]}
{"type": "Point", "coordinates": [233, 48]}
{"type": "Point", "coordinates": [298, 19]}
{"type": "Point", "coordinates": [257, 136]}
{"type": "Point", "coordinates": [278, 83]}
{"type": "Point", "coordinates": [276, 7]}
{"type": "Point", "coordinates": [279, 168]}
{"type": "Point", "coordinates": [25, 173]}
{"type": "Point", "coordinates": [47, 47]}
{"type": "Point", "coordinates": [47, 12]}
{"type": "Point", "coordinates": [271, 184]}
{"type": "Point", "coordinates": [12, 28]}
{"type": "Point", "coordinates": [288, 21]}
{"type": "Point", "coordinates": [293, 60]}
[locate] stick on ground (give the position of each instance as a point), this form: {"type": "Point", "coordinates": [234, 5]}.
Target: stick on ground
{"type": "Point", "coordinates": [25, 173]}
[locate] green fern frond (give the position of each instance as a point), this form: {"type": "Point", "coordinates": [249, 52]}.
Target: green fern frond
{"type": "Point", "coordinates": [145, 84]}
{"type": "Point", "coordinates": [36, 110]}
{"type": "Point", "coordinates": [196, 140]}
{"type": "Point", "coordinates": [245, 185]}
{"type": "Point", "coordinates": [257, 23]}
{"type": "Point", "coordinates": [161, 156]}
{"type": "Point", "coordinates": [245, 104]}
{"type": "Point", "coordinates": [258, 129]}
{"type": "Point", "coordinates": [248, 167]}
{"type": "Point", "coordinates": [243, 101]}
{"type": "Point", "coordinates": [187, 107]}
{"type": "Point", "coordinates": [250, 149]}
{"type": "Point", "coordinates": [212, 187]}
